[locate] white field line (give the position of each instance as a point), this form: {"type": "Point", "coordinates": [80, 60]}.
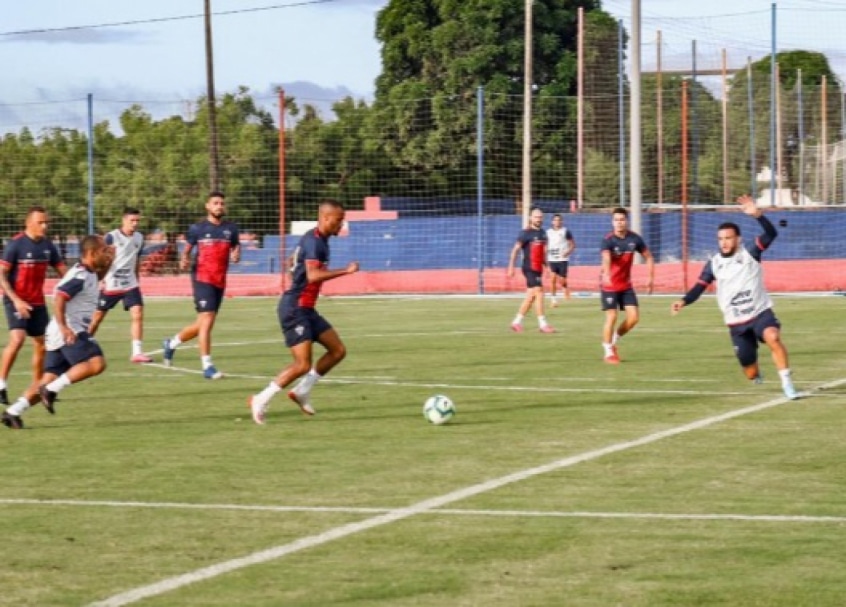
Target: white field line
{"type": "Point", "coordinates": [398, 514]}
{"type": "Point", "coordinates": [766, 518]}
{"type": "Point", "coordinates": [373, 381]}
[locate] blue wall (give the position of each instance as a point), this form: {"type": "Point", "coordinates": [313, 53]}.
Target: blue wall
{"type": "Point", "coordinates": [414, 243]}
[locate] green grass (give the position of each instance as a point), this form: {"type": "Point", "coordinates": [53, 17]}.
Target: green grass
{"type": "Point", "coordinates": [97, 500]}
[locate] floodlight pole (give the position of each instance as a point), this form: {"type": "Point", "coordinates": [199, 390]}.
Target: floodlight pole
{"type": "Point", "coordinates": [214, 154]}
{"type": "Point", "coordinates": [635, 123]}
{"type": "Point", "coordinates": [527, 115]}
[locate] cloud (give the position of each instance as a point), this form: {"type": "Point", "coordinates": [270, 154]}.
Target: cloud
{"type": "Point", "coordinates": [80, 36]}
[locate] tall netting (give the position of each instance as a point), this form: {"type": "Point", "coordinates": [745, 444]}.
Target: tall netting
{"type": "Point", "coordinates": [433, 181]}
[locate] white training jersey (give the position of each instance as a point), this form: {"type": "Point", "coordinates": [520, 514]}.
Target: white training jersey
{"type": "Point", "coordinates": [79, 288]}
{"type": "Point", "coordinates": [741, 294]}
{"type": "Point", "coordinates": [122, 276]}
{"type": "Point", "coordinates": [557, 244]}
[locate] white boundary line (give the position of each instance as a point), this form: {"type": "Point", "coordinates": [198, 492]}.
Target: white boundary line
{"type": "Point", "coordinates": [768, 518]}
{"type": "Point", "coordinates": [398, 514]}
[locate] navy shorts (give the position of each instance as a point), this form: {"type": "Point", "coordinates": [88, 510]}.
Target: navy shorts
{"type": "Point", "coordinates": [559, 268]}
{"type": "Point", "coordinates": [35, 325]}
{"type": "Point", "coordinates": [207, 297]}
{"type": "Point", "coordinates": [83, 349]}
{"type": "Point", "coordinates": [533, 279]}
{"type": "Point", "coordinates": [745, 337]}
{"type": "Point", "coordinates": [130, 299]}
{"type": "Point", "coordinates": [618, 300]}
{"type": "Point", "coordinates": [300, 324]}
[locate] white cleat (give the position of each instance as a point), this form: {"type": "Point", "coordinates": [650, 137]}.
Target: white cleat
{"type": "Point", "coordinates": [303, 401]}
{"type": "Point", "coordinates": [257, 410]}
{"type": "Point", "coordinates": [790, 392]}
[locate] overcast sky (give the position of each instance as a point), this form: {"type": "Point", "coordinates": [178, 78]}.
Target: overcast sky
{"type": "Point", "coordinates": [153, 50]}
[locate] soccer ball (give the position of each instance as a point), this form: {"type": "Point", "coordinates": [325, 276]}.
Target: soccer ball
{"type": "Point", "coordinates": [438, 409]}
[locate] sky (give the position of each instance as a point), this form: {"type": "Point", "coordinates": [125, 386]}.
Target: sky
{"type": "Point", "coordinates": [126, 50]}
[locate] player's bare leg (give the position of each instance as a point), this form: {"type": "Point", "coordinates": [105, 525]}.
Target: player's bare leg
{"type": "Point", "coordinates": [301, 365]}
{"type": "Point", "coordinates": [772, 337]}
{"type": "Point", "coordinates": [553, 290]}
{"type": "Point", "coordinates": [10, 354]}
{"type": "Point", "coordinates": [543, 326]}
{"type": "Point", "coordinates": [608, 346]}
{"type": "Point", "coordinates": [136, 333]}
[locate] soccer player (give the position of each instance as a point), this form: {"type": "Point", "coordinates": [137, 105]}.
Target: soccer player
{"type": "Point", "coordinates": [23, 270]}
{"type": "Point", "coordinates": [617, 291]}
{"type": "Point", "coordinates": [72, 356]}
{"type": "Point", "coordinates": [532, 242]}
{"type": "Point", "coordinates": [560, 245]}
{"type": "Point", "coordinates": [301, 324]}
{"type": "Point", "coordinates": [743, 299]}
{"type": "Point", "coordinates": [121, 282]}
{"type": "Point", "coordinates": [217, 243]}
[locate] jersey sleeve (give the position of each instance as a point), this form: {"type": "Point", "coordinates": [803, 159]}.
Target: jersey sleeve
{"type": "Point", "coordinates": [706, 277]}
{"type": "Point", "coordinates": [192, 237]}
{"type": "Point", "coordinates": [763, 240]}
{"type": "Point", "coordinates": [235, 239]}
{"type": "Point", "coordinates": [10, 254]}
{"type": "Point", "coordinates": [69, 288]}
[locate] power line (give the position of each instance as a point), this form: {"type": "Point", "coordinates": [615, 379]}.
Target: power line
{"type": "Point", "coordinates": [163, 19]}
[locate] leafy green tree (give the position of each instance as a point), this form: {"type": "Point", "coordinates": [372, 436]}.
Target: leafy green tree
{"type": "Point", "coordinates": [436, 54]}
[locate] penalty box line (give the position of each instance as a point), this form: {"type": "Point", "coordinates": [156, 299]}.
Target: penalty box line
{"type": "Point", "coordinates": [667, 516]}
{"type": "Point", "coordinates": [276, 552]}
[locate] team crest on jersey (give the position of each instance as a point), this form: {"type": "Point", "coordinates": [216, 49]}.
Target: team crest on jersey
{"type": "Point", "coordinates": [227, 234]}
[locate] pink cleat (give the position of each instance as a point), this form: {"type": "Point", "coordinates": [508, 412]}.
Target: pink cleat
{"type": "Point", "coordinates": [547, 329]}
{"type": "Point", "coordinates": [141, 359]}
{"type": "Point", "coordinates": [613, 358]}
{"type": "Point", "coordinates": [303, 401]}
{"type": "Point", "coordinates": [257, 410]}
{"type": "Point", "coordinates": [517, 327]}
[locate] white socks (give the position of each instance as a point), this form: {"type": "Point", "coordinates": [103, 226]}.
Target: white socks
{"type": "Point", "coordinates": [307, 382]}
{"type": "Point", "coordinates": [59, 384]}
{"type": "Point", "coordinates": [269, 392]}
{"type": "Point", "coordinates": [137, 347]}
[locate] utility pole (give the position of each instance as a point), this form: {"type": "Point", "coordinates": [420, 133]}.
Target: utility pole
{"type": "Point", "coordinates": [214, 153]}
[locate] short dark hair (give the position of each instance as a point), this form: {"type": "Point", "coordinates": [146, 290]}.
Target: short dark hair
{"type": "Point", "coordinates": [35, 209]}
{"type": "Point", "coordinates": [90, 243]}
{"type": "Point", "coordinates": [216, 194]}
{"type": "Point", "coordinates": [620, 211]}
{"type": "Point", "coordinates": [556, 215]}
{"type": "Point", "coordinates": [330, 202]}
{"type": "Point", "coordinates": [131, 211]}
{"type": "Point", "coordinates": [729, 225]}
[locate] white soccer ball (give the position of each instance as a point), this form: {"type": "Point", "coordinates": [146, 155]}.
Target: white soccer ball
{"type": "Point", "coordinates": [438, 409]}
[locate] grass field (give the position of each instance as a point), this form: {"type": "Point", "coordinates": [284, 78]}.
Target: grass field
{"type": "Point", "coordinates": [562, 481]}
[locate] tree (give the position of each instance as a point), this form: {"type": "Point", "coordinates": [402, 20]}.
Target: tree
{"type": "Point", "coordinates": [436, 54]}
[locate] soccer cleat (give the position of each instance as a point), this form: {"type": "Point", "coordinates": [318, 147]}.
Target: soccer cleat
{"type": "Point", "coordinates": [789, 391]}
{"type": "Point", "coordinates": [141, 359]}
{"type": "Point", "coordinates": [547, 329]}
{"type": "Point", "coordinates": [167, 353]}
{"type": "Point", "coordinates": [758, 379]}
{"type": "Point", "coordinates": [554, 303]}
{"type": "Point", "coordinates": [48, 398]}
{"type": "Point", "coordinates": [303, 401]}
{"type": "Point", "coordinates": [13, 422]}
{"type": "Point", "coordinates": [212, 373]}
{"type": "Point", "coordinates": [613, 358]}
{"type": "Point", "coordinates": [4, 397]}
{"type": "Point", "coordinates": [257, 410]}
{"type": "Point", "coordinates": [517, 327]}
